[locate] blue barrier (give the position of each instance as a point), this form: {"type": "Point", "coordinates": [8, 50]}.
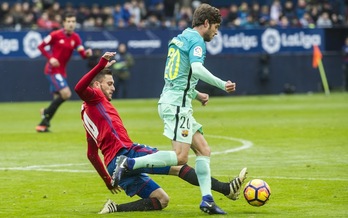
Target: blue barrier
{"type": "Point", "coordinates": [154, 42]}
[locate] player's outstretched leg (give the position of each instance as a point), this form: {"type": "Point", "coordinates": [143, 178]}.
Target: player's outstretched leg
{"type": "Point", "coordinates": [208, 206]}
{"type": "Point", "coordinates": [121, 167]}
{"type": "Point", "coordinates": [145, 204]}
{"type": "Point", "coordinates": [236, 184]}
{"type": "Point", "coordinates": [109, 207]}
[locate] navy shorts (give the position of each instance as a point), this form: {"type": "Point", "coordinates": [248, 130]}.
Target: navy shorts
{"type": "Point", "coordinates": [137, 182]}
{"type": "Point", "coordinates": [57, 82]}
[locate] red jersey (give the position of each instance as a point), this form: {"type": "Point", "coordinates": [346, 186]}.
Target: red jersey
{"type": "Point", "coordinates": [62, 47]}
{"type": "Point", "coordinates": [100, 118]}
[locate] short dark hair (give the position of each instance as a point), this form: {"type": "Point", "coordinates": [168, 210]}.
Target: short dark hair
{"type": "Point", "coordinates": [206, 12]}
{"type": "Point", "coordinates": [99, 77]}
{"type": "Point", "coordinates": [68, 15]}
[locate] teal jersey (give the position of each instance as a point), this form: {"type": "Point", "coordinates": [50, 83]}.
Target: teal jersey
{"type": "Point", "coordinates": [179, 88]}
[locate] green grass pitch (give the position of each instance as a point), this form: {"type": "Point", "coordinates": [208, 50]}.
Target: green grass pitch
{"type": "Point", "coordinates": [298, 144]}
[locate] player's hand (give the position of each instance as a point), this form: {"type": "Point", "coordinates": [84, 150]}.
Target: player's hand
{"type": "Point", "coordinates": [203, 98]}
{"type": "Point", "coordinates": [108, 55]}
{"type": "Point", "coordinates": [54, 62]}
{"type": "Point", "coordinates": [115, 190]}
{"type": "Point", "coordinates": [88, 52]}
{"type": "Point", "coordinates": [110, 63]}
{"type": "Point", "coordinates": [230, 86]}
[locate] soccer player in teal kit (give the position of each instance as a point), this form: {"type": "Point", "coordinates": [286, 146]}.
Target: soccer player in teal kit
{"type": "Point", "coordinates": [184, 68]}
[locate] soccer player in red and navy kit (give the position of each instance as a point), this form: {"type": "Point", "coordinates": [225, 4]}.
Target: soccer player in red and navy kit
{"type": "Point", "coordinates": [62, 42]}
{"type": "Point", "coordinates": [105, 131]}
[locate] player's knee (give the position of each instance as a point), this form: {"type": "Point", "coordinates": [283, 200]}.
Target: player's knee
{"type": "Point", "coordinates": [205, 151]}
{"type": "Point", "coordinates": [164, 200]}
{"type": "Point", "coordinates": [182, 159]}
{"type": "Point", "coordinates": [65, 93]}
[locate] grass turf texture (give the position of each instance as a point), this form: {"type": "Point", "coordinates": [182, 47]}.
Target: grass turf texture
{"type": "Point", "coordinates": [299, 147]}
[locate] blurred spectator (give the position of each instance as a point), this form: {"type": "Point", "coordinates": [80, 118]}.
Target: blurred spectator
{"type": "Point", "coordinates": [117, 14]}
{"type": "Point", "coordinates": [264, 16]}
{"type": "Point", "coordinates": [185, 13]}
{"type": "Point", "coordinates": [152, 22]}
{"type": "Point", "coordinates": [122, 70]}
{"type": "Point", "coordinates": [8, 22]}
{"type": "Point", "coordinates": [82, 14]}
{"type": "Point", "coordinates": [109, 23]}
{"type": "Point", "coordinates": [314, 13]}
{"type": "Point", "coordinates": [243, 13]}
{"type": "Point", "coordinates": [171, 14]}
{"type": "Point", "coordinates": [135, 12]}
{"type": "Point", "coordinates": [157, 10]}
{"type": "Point", "coordinates": [4, 10]}
{"type": "Point", "coordinates": [324, 21]}
{"type": "Point", "coordinates": [276, 10]}
{"type": "Point", "coordinates": [289, 10]}
{"type": "Point", "coordinates": [284, 22]}
{"type": "Point", "coordinates": [132, 24]}
{"type": "Point", "coordinates": [250, 23]}
{"type": "Point", "coordinates": [306, 21]}
{"type": "Point", "coordinates": [336, 20]}
{"type": "Point", "coordinates": [301, 8]}
{"type": "Point", "coordinates": [46, 23]}
{"type": "Point", "coordinates": [17, 13]}
{"type": "Point", "coordinates": [231, 16]}
{"type": "Point", "coordinates": [255, 11]}
{"type": "Point", "coordinates": [142, 8]}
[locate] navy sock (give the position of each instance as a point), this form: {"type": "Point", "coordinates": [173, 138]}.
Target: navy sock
{"type": "Point", "coordinates": [188, 174]}
{"type": "Point", "coordinates": [145, 204]}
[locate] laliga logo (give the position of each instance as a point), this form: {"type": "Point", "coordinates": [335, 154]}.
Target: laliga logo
{"type": "Point", "coordinates": [271, 41]}
{"type": "Point", "coordinates": [215, 45]}
{"type": "Point", "coordinates": [30, 42]}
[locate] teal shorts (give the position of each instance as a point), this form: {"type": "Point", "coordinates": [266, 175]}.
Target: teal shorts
{"type": "Point", "coordinates": [179, 124]}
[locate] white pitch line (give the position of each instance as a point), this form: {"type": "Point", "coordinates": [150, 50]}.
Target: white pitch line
{"type": "Point", "coordinates": [299, 178]}
{"type": "Point", "coordinates": [245, 145]}
{"type": "Point", "coordinates": [292, 178]}
{"type": "Point", "coordinates": [47, 170]}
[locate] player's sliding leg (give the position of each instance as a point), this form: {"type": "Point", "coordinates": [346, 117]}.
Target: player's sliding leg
{"type": "Point", "coordinates": [188, 174]}
{"type": "Point", "coordinates": [230, 189]}
{"type": "Point", "coordinates": [236, 184]}
{"type": "Point", "coordinates": [146, 204]}
{"type": "Point", "coordinates": [153, 197]}
{"type": "Point", "coordinates": [154, 160]}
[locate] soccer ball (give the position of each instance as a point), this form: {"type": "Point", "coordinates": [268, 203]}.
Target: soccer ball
{"type": "Point", "coordinates": [257, 192]}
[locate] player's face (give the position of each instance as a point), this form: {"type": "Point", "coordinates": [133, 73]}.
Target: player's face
{"type": "Point", "coordinates": [69, 24]}
{"type": "Point", "coordinates": [107, 86]}
{"type": "Point", "coordinates": [211, 32]}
